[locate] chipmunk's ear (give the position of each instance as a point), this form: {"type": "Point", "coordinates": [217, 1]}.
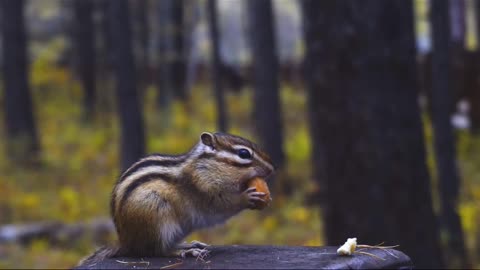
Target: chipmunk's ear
{"type": "Point", "coordinates": [208, 139]}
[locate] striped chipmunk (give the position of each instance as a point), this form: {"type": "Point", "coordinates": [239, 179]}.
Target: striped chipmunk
{"type": "Point", "coordinates": [160, 199]}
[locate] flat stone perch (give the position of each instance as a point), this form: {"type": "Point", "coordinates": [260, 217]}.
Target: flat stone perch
{"type": "Point", "coordinates": [258, 257]}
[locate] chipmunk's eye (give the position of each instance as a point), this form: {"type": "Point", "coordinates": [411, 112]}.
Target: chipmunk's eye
{"type": "Point", "coordinates": [244, 153]}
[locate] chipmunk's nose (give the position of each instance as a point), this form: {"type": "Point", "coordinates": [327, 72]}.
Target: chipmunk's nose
{"type": "Point", "coordinates": [275, 167]}
{"type": "Point", "coordinates": [263, 172]}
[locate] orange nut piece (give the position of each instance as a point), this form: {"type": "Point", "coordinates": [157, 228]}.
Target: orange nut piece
{"type": "Point", "coordinates": [261, 185]}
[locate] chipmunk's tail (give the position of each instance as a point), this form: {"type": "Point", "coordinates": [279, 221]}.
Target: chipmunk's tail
{"type": "Point", "coordinates": [97, 256]}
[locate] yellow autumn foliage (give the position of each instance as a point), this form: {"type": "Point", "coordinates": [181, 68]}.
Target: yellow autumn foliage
{"type": "Point", "coordinates": [70, 204]}
{"type": "Point", "coordinates": [80, 166]}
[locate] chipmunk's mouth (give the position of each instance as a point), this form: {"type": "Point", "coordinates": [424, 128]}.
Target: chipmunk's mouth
{"type": "Point", "coordinates": [245, 183]}
{"type": "Point", "coordinates": [264, 174]}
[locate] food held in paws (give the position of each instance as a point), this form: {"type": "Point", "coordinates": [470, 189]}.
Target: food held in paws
{"type": "Point", "coordinates": [261, 185]}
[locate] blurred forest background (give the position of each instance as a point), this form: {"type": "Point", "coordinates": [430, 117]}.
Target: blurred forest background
{"type": "Point", "coordinates": [370, 108]}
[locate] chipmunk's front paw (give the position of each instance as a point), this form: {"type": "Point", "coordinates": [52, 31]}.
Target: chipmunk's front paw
{"type": "Point", "coordinates": [193, 249]}
{"type": "Point", "coordinates": [193, 244]}
{"type": "Point", "coordinates": [253, 198]}
{"type": "Point", "coordinates": [199, 253]}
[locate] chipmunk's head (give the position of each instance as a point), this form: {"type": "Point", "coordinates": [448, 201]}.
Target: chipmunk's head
{"type": "Point", "coordinates": [229, 158]}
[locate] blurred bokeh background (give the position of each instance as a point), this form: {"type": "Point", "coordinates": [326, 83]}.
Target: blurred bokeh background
{"type": "Point", "coordinates": [370, 108]}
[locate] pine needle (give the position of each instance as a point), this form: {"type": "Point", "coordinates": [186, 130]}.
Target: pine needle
{"type": "Point", "coordinates": [132, 263]}
{"type": "Point", "coordinates": [171, 265]}
{"type": "Point", "coordinates": [377, 246]}
{"type": "Point", "coordinates": [369, 254]}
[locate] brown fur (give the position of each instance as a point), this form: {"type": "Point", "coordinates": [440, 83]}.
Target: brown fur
{"type": "Point", "coordinates": [152, 214]}
{"type": "Point", "coordinates": [99, 255]}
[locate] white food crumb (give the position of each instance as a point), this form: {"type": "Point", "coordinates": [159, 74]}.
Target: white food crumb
{"type": "Point", "coordinates": [348, 248]}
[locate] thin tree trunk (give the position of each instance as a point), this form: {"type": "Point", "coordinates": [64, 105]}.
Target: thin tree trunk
{"type": "Point", "coordinates": [444, 140]}
{"type": "Point", "coordinates": [85, 53]}
{"type": "Point", "coordinates": [216, 66]}
{"type": "Point", "coordinates": [131, 121]}
{"type": "Point", "coordinates": [177, 63]}
{"type": "Point", "coordinates": [142, 36]}
{"type": "Point", "coordinates": [21, 133]}
{"type": "Point", "coordinates": [105, 95]}
{"type": "Point", "coordinates": [105, 35]}
{"type": "Point", "coordinates": [457, 26]}
{"type": "Point", "coordinates": [473, 94]}
{"type": "Point", "coordinates": [267, 112]}
{"type": "Point", "coordinates": [360, 69]}
{"type": "Point", "coordinates": [165, 91]}
{"type": "Point", "coordinates": [172, 53]}
{"type": "Point", "coordinates": [458, 53]}
{"type": "Point", "coordinates": [315, 73]}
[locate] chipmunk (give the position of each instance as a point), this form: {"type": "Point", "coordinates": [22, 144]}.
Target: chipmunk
{"type": "Point", "coordinates": [160, 199]}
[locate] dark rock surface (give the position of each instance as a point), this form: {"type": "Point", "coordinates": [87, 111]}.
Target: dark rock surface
{"type": "Point", "coordinates": [267, 257]}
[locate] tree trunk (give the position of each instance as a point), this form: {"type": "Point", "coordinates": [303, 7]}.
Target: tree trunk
{"type": "Point", "coordinates": [444, 140]}
{"type": "Point", "coordinates": [22, 140]}
{"type": "Point", "coordinates": [105, 35]}
{"type": "Point", "coordinates": [165, 91]}
{"type": "Point", "coordinates": [85, 52]}
{"type": "Point", "coordinates": [172, 57]}
{"type": "Point", "coordinates": [460, 79]}
{"type": "Point", "coordinates": [315, 73]}
{"type": "Point", "coordinates": [473, 94]}
{"type": "Point", "coordinates": [360, 69]}
{"type": "Point", "coordinates": [267, 112]}
{"type": "Point", "coordinates": [131, 121]}
{"type": "Point", "coordinates": [177, 63]}
{"type": "Point", "coordinates": [457, 18]}
{"type": "Point", "coordinates": [141, 8]}
{"type": "Point", "coordinates": [105, 95]}
{"type": "Point", "coordinates": [216, 66]}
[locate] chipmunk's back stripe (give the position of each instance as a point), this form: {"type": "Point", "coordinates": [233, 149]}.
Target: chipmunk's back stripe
{"type": "Point", "coordinates": [147, 162]}
{"type": "Point", "coordinates": [140, 181]}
